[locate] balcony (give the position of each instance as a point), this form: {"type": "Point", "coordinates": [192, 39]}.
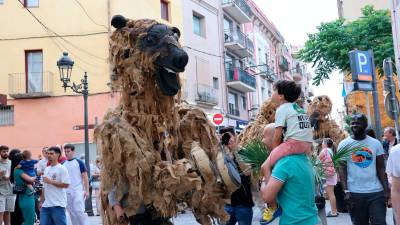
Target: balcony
{"type": "Point", "coordinates": [240, 80]}
{"type": "Point", "coordinates": [233, 110]}
{"type": "Point", "coordinates": [36, 85]}
{"type": "Point", "coordinates": [238, 9]}
{"type": "Point", "coordinates": [238, 43]}
{"type": "Point", "coordinates": [206, 95]}
{"type": "Point", "coordinates": [253, 112]}
{"type": "Point", "coordinates": [283, 64]}
{"type": "Point", "coordinates": [266, 72]}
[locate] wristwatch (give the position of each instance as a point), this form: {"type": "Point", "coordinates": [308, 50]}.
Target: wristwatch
{"type": "Point", "coordinates": [346, 191]}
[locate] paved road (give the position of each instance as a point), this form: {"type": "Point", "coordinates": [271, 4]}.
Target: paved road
{"type": "Point", "coordinates": [188, 219]}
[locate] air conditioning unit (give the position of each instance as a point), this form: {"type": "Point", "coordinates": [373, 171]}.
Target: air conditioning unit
{"type": "Point", "coordinates": [3, 100]}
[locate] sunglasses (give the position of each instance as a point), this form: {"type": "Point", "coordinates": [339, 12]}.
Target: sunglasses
{"type": "Point", "coordinates": [357, 116]}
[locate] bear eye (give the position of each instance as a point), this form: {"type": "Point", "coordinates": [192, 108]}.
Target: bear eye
{"type": "Point", "coordinates": [151, 40]}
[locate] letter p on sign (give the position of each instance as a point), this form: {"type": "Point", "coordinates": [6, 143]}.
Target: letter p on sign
{"type": "Point", "coordinates": [362, 62]}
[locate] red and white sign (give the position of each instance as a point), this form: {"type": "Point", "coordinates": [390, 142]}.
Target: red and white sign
{"type": "Point", "coordinates": [218, 119]}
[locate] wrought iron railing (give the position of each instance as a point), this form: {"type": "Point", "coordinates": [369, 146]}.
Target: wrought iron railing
{"type": "Point", "coordinates": [239, 37]}
{"type": "Point", "coordinates": [283, 63]}
{"type": "Point", "coordinates": [30, 85]}
{"type": "Point", "coordinates": [232, 110]}
{"type": "Point", "coordinates": [207, 94]}
{"type": "Point", "coordinates": [238, 74]}
{"type": "Point", "coordinates": [242, 4]}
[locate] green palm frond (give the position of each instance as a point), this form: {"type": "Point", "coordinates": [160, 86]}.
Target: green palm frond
{"type": "Point", "coordinates": [340, 157]}
{"type": "Point", "coordinates": [254, 154]}
{"type": "Point", "coordinates": [319, 168]}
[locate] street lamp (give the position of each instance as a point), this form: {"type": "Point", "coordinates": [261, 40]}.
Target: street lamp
{"type": "Point", "coordinates": [65, 65]}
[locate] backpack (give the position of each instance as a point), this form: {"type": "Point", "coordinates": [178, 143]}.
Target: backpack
{"type": "Point", "coordinates": [329, 169]}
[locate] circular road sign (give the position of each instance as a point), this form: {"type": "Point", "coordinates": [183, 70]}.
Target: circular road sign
{"type": "Point", "coordinates": [218, 118]}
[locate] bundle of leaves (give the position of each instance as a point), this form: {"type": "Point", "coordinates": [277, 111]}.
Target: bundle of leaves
{"type": "Point", "coordinates": [254, 153]}
{"type": "Point", "coordinates": [339, 158]}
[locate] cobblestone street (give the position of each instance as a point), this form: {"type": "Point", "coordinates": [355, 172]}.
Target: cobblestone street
{"type": "Point", "coordinates": [188, 219]}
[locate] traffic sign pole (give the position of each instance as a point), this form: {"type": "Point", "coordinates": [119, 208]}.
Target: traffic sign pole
{"type": "Point", "coordinates": [387, 65]}
{"type": "Point", "coordinates": [377, 115]}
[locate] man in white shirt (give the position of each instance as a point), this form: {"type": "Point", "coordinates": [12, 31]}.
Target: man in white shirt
{"type": "Point", "coordinates": [53, 200]}
{"type": "Point", "coordinates": [7, 198]}
{"type": "Point", "coordinates": [393, 172]}
{"type": "Point", "coordinates": [78, 191]}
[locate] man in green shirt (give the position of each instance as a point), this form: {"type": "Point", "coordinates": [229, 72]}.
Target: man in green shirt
{"type": "Point", "coordinates": [292, 184]}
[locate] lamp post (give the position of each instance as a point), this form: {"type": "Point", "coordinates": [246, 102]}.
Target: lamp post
{"type": "Point", "coordinates": [65, 65]}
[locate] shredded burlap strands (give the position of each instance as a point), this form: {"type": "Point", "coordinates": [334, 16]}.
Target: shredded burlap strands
{"type": "Point", "coordinates": [255, 129]}
{"type": "Point", "coordinates": [146, 142]}
{"type": "Point", "coordinates": [319, 111]}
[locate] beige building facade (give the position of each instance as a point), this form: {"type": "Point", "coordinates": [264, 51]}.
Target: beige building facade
{"type": "Point", "coordinates": [351, 9]}
{"type": "Point", "coordinates": [35, 111]}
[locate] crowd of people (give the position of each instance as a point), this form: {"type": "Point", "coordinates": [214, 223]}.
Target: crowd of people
{"type": "Point", "coordinates": [289, 186]}
{"type": "Point", "coordinates": [45, 190]}
{"type": "Point", "coordinates": [369, 177]}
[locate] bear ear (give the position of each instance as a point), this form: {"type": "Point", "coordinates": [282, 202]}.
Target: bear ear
{"type": "Point", "coordinates": [118, 21]}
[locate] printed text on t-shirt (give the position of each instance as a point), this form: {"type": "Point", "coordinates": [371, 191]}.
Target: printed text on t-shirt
{"type": "Point", "coordinates": [304, 121]}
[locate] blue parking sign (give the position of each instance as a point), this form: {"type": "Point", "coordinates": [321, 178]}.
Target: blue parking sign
{"type": "Point", "coordinates": [361, 65]}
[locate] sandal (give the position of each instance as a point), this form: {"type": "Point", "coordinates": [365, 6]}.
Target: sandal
{"type": "Point", "coordinates": [332, 215]}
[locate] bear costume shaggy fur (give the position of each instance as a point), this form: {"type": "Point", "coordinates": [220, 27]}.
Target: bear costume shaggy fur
{"type": "Point", "coordinates": [146, 142]}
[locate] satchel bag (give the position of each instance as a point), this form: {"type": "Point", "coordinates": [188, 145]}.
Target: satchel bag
{"type": "Point", "coordinates": [19, 189]}
{"type": "Point", "coordinates": [319, 198]}
{"type": "Point", "coordinates": [229, 172]}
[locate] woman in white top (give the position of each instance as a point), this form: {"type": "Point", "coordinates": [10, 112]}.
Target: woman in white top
{"type": "Point", "coordinates": [330, 174]}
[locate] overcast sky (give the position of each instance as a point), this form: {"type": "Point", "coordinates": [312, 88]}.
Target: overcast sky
{"type": "Point", "coordinates": [297, 18]}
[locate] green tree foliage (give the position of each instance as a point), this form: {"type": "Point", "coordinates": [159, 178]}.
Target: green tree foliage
{"type": "Point", "coordinates": [328, 49]}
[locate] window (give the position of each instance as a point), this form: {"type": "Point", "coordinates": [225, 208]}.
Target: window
{"type": "Point", "coordinates": [34, 71]}
{"type": "Point", "coordinates": [199, 24]}
{"type": "Point", "coordinates": [227, 24]}
{"type": "Point", "coordinates": [7, 115]}
{"type": "Point", "coordinates": [244, 102]}
{"type": "Point", "coordinates": [215, 83]}
{"type": "Point", "coordinates": [31, 3]}
{"type": "Point", "coordinates": [1, 2]}
{"type": "Point", "coordinates": [263, 94]}
{"type": "Point", "coordinates": [164, 10]}
{"type": "Point", "coordinates": [232, 104]}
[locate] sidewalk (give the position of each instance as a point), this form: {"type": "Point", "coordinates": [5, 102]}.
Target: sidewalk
{"type": "Point", "coordinates": [188, 218]}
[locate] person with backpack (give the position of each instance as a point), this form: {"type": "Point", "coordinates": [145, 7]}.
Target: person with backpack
{"type": "Point", "coordinates": [240, 208]}
{"type": "Point", "coordinates": [330, 174]}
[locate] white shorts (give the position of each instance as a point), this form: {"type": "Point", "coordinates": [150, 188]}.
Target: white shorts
{"type": "Point", "coordinates": [7, 203]}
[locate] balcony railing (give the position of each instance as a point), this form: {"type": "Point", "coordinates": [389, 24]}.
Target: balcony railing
{"type": "Point", "coordinates": [235, 36]}
{"type": "Point", "coordinates": [233, 111]}
{"type": "Point", "coordinates": [253, 112]}
{"type": "Point", "coordinates": [32, 85]}
{"type": "Point", "coordinates": [249, 45]}
{"type": "Point", "coordinates": [283, 63]}
{"type": "Point", "coordinates": [267, 72]}
{"type": "Point", "coordinates": [240, 80]}
{"type": "Point", "coordinates": [206, 94]}
{"type": "Point", "coordinates": [238, 9]}
{"type": "Point", "coordinates": [238, 42]}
